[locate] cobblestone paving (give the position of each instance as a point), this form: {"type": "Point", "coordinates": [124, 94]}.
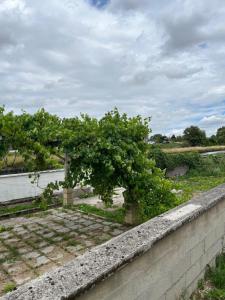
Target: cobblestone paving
{"type": "Point", "coordinates": [31, 246]}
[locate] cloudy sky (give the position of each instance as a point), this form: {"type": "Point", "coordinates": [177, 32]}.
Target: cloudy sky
{"type": "Point", "coordinates": [159, 58]}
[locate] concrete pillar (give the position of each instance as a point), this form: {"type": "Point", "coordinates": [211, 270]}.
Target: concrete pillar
{"type": "Point", "coordinates": [131, 214]}
{"type": "Point", "coordinates": [67, 196]}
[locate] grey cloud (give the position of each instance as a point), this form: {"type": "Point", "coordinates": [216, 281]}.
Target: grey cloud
{"type": "Point", "coordinates": [6, 39]}
{"type": "Point", "coordinates": [70, 57]}
{"type": "Point", "coordinates": [181, 72]}
{"type": "Point", "coordinates": [201, 26]}
{"type": "Point", "coordinates": [126, 5]}
{"type": "Point", "coordinates": [184, 32]}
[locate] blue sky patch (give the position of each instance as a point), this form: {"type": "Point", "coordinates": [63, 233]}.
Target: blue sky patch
{"type": "Point", "coordinates": [203, 45]}
{"type": "Point", "coordinates": [98, 3]}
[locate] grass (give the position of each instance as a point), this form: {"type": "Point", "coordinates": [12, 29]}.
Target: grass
{"type": "Point", "coordinates": [10, 209]}
{"type": "Point", "coordinates": [193, 185]}
{"type": "Point", "coordinates": [2, 229]}
{"type": "Point", "coordinates": [209, 174]}
{"type": "Point", "coordinates": [213, 287]}
{"type": "Point", "coordinates": [18, 207]}
{"type": "Point", "coordinates": [12, 161]}
{"type": "Point", "coordinates": [194, 149]}
{"type": "Point", "coordinates": [15, 161]}
{"type": "Point", "coordinates": [116, 215]}
{"type": "Point", "coordinates": [9, 287]}
{"type": "Point", "coordinates": [172, 145]}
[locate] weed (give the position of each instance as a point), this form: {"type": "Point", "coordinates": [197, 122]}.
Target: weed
{"type": "Point", "coordinates": [9, 287]}
{"type": "Point", "coordinates": [216, 278]}
{"type": "Point", "coordinates": [215, 294]}
{"type": "Point", "coordinates": [2, 228]}
{"type": "Point", "coordinates": [72, 243]}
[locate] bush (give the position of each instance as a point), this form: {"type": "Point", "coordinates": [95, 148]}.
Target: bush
{"type": "Point", "coordinates": [211, 165]}
{"type": "Point", "coordinates": [170, 161]}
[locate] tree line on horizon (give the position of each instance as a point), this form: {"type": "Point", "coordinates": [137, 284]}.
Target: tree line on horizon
{"type": "Point", "coordinates": [192, 136]}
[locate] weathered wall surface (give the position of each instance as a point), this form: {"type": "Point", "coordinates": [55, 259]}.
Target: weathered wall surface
{"type": "Point", "coordinates": [19, 186]}
{"type": "Point", "coordinates": [157, 260]}
{"type": "Point", "coordinates": [172, 266]}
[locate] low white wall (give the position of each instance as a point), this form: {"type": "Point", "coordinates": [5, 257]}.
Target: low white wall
{"type": "Point", "coordinates": [19, 186]}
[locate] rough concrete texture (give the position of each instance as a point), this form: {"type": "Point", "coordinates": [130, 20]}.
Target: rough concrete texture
{"type": "Point", "coordinates": [91, 268]}
{"type": "Point", "coordinates": [178, 171]}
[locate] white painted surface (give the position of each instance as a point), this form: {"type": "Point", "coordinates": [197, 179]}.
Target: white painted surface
{"type": "Point", "coordinates": [213, 153]}
{"type": "Point", "coordinates": [19, 186]}
{"type": "Point", "coordinates": [183, 211]}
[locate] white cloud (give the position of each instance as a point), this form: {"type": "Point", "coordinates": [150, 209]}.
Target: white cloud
{"type": "Point", "coordinates": [157, 57]}
{"type": "Point", "coordinates": [214, 120]}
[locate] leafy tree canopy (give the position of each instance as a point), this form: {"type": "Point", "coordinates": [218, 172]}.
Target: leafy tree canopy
{"type": "Point", "coordinates": [159, 138]}
{"type": "Point", "coordinates": [220, 135]}
{"type": "Point", "coordinates": [194, 136]}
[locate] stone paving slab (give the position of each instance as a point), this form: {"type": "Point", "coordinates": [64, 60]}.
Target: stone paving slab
{"type": "Point", "coordinates": [31, 246]}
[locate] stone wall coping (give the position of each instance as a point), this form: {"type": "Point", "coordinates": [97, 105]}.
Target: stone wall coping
{"type": "Point", "coordinates": [30, 173]}
{"type": "Point", "coordinates": [77, 276]}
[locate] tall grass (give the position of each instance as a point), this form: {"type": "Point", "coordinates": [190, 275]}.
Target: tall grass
{"type": "Point", "coordinates": [194, 149]}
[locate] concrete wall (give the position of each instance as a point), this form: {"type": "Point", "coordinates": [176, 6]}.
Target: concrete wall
{"type": "Point", "coordinates": [172, 266]}
{"type": "Point", "coordinates": [19, 186]}
{"type": "Point", "coordinates": [157, 260]}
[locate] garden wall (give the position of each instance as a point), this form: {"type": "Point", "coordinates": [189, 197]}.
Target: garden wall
{"type": "Point", "coordinates": [157, 260]}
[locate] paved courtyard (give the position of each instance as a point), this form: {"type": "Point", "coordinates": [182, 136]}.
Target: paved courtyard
{"type": "Point", "coordinates": [30, 246]}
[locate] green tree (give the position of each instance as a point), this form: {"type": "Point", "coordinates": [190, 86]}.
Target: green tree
{"type": "Point", "coordinates": [212, 140]}
{"type": "Point", "coordinates": [220, 135]}
{"type": "Point", "coordinates": [31, 136]}
{"type": "Point", "coordinates": [159, 138]}
{"type": "Point", "coordinates": [194, 136]}
{"type": "Point", "coordinates": [113, 152]}
{"type": "Point", "coordinates": [106, 153]}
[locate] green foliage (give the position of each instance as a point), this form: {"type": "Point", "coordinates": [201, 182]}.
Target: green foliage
{"type": "Point", "coordinates": [112, 153]}
{"type": "Point", "coordinates": [215, 294]}
{"type": "Point", "coordinates": [194, 184]}
{"type": "Point", "coordinates": [216, 277]}
{"type": "Point", "coordinates": [217, 274]}
{"type": "Point", "coordinates": [170, 161]}
{"type": "Point", "coordinates": [159, 138]}
{"type": "Point", "coordinates": [2, 228]}
{"type": "Point", "coordinates": [194, 136]}
{"type": "Point", "coordinates": [220, 135]}
{"type": "Point", "coordinates": [106, 153]}
{"type": "Point", "coordinates": [201, 284]}
{"type": "Point", "coordinates": [31, 135]}
{"type": "Point", "coordinates": [9, 287]}
{"type": "Point", "coordinates": [211, 165]}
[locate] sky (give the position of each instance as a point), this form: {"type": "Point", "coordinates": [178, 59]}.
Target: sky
{"type": "Point", "coordinates": [159, 58]}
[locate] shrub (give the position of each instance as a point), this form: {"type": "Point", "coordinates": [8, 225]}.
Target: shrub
{"type": "Point", "coordinates": [170, 161]}
{"type": "Point", "coordinates": [211, 165]}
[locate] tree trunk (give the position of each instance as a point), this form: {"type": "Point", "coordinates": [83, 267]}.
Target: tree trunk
{"type": "Point", "coordinates": [131, 208]}
{"type": "Point", "coordinates": [67, 192]}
